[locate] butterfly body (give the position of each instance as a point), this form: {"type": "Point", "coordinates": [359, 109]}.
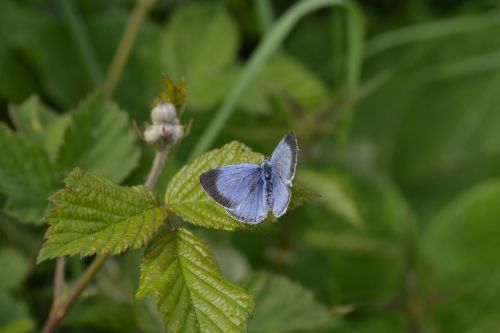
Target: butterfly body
{"type": "Point", "coordinates": [248, 191]}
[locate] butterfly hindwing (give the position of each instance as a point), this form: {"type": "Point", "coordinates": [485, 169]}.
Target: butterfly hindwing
{"type": "Point", "coordinates": [284, 158]}
{"type": "Point", "coordinates": [229, 185]}
{"type": "Point", "coordinates": [281, 196]}
{"type": "Point", "coordinates": [253, 208]}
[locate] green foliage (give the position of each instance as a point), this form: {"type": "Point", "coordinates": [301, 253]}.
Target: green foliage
{"type": "Point", "coordinates": [334, 195]}
{"type": "Point", "coordinates": [186, 198]}
{"type": "Point", "coordinates": [14, 315]}
{"type": "Point", "coordinates": [27, 175]}
{"type": "Point", "coordinates": [40, 125]}
{"type": "Point", "coordinates": [282, 305]}
{"type": "Point", "coordinates": [181, 273]}
{"type": "Point", "coordinates": [416, 181]}
{"type": "Point", "coordinates": [99, 139]}
{"type": "Point", "coordinates": [461, 243]}
{"type": "Point", "coordinates": [93, 215]}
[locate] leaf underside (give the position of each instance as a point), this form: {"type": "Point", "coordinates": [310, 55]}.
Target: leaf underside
{"type": "Point", "coordinates": [94, 215]}
{"type": "Point", "coordinates": [181, 273]}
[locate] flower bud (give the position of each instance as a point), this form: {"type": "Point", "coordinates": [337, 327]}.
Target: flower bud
{"type": "Point", "coordinates": [164, 113]}
{"type": "Point", "coordinates": [152, 134]}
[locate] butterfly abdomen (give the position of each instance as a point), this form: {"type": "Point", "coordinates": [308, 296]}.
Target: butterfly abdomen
{"type": "Point", "coordinates": [268, 184]}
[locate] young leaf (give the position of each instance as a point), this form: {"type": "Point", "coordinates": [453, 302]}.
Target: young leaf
{"type": "Point", "coordinates": [186, 198]}
{"type": "Point", "coordinates": [99, 139]}
{"type": "Point", "coordinates": [26, 177]}
{"type": "Point", "coordinates": [181, 273]}
{"type": "Point", "coordinates": [283, 306]}
{"type": "Point", "coordinates": [94, 215]}
{"type": "Point", "coordinates": [40, 125]}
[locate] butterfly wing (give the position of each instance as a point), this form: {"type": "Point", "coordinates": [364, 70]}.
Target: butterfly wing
{"type": "Point", "coordinates": [253, 208]}
{"type": "Point", "coordinates": [229, 185]}
{"type": "Point", "coordinates": [281, 196]}
{"type": "Point", "coordinates": [284, 158]}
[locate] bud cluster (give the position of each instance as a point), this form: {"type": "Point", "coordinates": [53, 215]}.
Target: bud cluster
{"type": "Point", "coordinates": [166, 125]}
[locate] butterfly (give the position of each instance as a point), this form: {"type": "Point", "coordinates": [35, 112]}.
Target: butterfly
{"type": "Point", "coordinates": [248, 191]}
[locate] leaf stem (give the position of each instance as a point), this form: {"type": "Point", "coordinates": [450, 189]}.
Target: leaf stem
{"type": "Point", "coordinates": [60, 311]}
{"type": "Point", "coordinates": [59, 279]}
{"type": "Point", "coordinates": [122, 53]}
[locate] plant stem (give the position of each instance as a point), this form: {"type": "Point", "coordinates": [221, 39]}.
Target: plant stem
{"type": "Point", "coordinates": [59, 278]}
{"type": "Point", "coordinates": [59, 311]}
{"type": "Point", "coordinates": [122, 53]}
{"type": "Point", "coordinates": [157, 167]}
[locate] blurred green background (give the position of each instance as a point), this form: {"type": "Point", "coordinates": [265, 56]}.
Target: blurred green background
{"type": "Point", "coordinates": [396, 105]}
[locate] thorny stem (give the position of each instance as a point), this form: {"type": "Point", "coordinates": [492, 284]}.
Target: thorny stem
{"type": "Point", "coordinates": [122, 53]}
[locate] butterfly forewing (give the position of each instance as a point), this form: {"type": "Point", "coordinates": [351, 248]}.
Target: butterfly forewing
{"type": "Point", "coordinates": [229, 185]}
{"type": "Point", "coordinates": [284, 158]}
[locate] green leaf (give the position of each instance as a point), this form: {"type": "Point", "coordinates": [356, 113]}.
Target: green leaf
{"type": "Point", "coordinates": [99, 139]}
{"type": "Point", "coordinates": [181, 273]}
{"type": "Point", "coordinates": [461, 246]}
{"type": "Point", "coordinates": [334, 195]}
{"type": "Point", "coordinates": [289, 78]}
{"type": "Point", "coordinates": [14, 268]}
{"type": "Point", "coordinates": [282, 305]}
{"type": "Point", "coordinates": [94, 215]}
{"type": "Point", "coordinates": [40, 125]}
{"type": "Point", "coordinates": [186, 198]}
{"type": "Point", "coordinates": [26, 177]}
{"type": "Point", "coordinates": [203, 61]}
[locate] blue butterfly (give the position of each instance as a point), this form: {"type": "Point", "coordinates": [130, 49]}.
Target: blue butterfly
{"type": "Point", "coordinates": [249, 191]}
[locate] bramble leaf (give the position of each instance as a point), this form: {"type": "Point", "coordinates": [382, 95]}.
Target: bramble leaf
{"type": "Point", "coordinates": [282, 305]}
{"type": "Point", "coordinates": [182, 275]}
{"type": "Point", "coordinates": [99, 139]}
{"type": "Point", "coordinates": [94, 215]}
{"type": "Point", "coordinates": [26, 177]}
{"type": "Point", "coordinates": [186, 198]}
{"type": "Point", "coordinates": [40, 125]}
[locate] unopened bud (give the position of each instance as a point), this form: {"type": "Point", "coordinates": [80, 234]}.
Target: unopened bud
{"type": "Point", "coordinates": [152, 134]}
{"type": "Point", "coordinates": [164, 113]}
